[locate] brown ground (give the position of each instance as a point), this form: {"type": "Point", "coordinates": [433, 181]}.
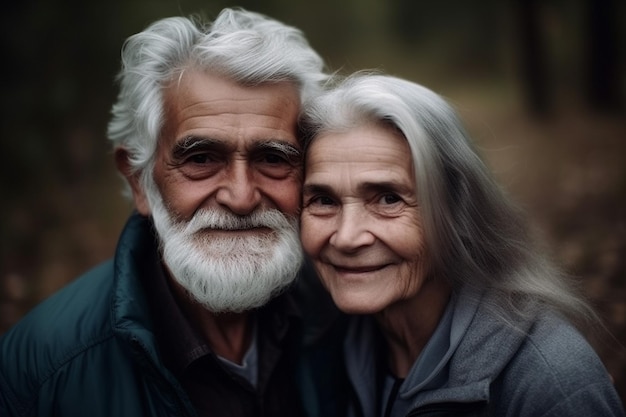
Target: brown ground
{"type": "Point", "coordinates": [570, 174]}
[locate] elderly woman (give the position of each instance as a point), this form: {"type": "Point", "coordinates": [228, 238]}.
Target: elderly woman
{"type": "Point", "coordinates": [453, 309]}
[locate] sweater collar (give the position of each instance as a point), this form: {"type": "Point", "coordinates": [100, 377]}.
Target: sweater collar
{"type": "Point", "coordinates": [488, 342]}
{"type": "Point", "coordinates": [481, 343]}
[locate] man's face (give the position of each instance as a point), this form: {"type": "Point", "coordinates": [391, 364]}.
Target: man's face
{"type": "Point", "coordinates": [227, 146]}
{"type": "Point", "coordinates": [228, 175]}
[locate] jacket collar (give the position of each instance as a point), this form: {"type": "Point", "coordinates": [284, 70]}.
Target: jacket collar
{"type": "Point", "coordinates": [135, 256]}
{"type": "Point", "coordinates": [482, 342]}
{"type": "Point", "coordinates": [491, 339]}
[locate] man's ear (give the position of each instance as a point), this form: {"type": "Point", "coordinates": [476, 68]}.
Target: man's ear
{"type": "Point", "coordinates": [122, 162]}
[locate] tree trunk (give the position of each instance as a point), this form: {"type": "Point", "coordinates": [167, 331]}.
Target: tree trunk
{"type": "Point", "coordinates": [603, 90]}
{"type": "Point", "coordinates": [533, 63]}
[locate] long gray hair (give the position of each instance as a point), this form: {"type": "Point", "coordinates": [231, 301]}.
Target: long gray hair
{"type": "Point", "coordinates": [475, 236]}
{"type": "Point", "coordinates": [243, 46]}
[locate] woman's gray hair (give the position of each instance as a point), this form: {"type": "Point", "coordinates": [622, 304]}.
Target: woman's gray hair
{"type": "Point", "coordinates": [243, 46]}
{"type": "Point", "coordinates": [475, 236]}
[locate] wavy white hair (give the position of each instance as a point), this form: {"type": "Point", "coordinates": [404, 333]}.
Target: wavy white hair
{"type": "Point", "coordinates": [244, 46]}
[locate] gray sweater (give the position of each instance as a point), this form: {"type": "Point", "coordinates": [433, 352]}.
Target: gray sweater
{"type": "Point", "coordinates": [477, 365]}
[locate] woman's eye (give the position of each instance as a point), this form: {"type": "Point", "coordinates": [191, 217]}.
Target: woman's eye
{"type": "Point", "coordinates": [323, 201]}
{"type": "Point", "coordinates": [320, 205]}
{"type": "Point", "coordinates": [319, 200]}
{"type": "Point", "coordinates": [389, 199]}
{"type": "Point", "coordinates": [388, 204]}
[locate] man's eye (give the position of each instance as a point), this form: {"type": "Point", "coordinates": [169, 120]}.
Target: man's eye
{"type": "Point", "coordinates": [275, 165]}
{"type": "Point", "coordinates": [200, 165]}
{"type": "Point", "coordinates": [272, 158]}
{"type": "Point", "coordinates": [200, 158]}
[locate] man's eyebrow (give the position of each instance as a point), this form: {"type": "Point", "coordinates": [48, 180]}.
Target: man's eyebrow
{"type": "Point", "coordinates": [279, 145]}
{"type": "Point", "coordinates": [191, 143]}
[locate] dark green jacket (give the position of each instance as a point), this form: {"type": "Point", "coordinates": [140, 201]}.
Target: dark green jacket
{"type": "Point", "coordinates": [89, 349]}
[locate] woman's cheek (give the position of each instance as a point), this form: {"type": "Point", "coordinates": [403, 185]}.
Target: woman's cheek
{"type": "Point", "coordinates": [307, 235]}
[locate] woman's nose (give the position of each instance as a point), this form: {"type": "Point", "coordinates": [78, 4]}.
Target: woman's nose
{"type": "Point", "coordinates": [353, 229]}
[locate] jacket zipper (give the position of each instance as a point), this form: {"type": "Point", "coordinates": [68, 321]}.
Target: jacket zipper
{"type": "Point", "coordinates": [145, 359]}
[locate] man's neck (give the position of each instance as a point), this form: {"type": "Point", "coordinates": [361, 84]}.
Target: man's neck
{"type": "Point", "coordinates": [228, 334]}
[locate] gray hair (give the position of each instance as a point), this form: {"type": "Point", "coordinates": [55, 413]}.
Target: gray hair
{"type": "Point", "coordinates": [474, 234]}
{"type": "Point", "coordinates": [243, 46]}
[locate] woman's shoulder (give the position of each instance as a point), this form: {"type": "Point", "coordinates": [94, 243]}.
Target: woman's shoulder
{"type": "Point", "coordinates": [556, 368]}
{"type": "Point", "coordinates": [553, 344]}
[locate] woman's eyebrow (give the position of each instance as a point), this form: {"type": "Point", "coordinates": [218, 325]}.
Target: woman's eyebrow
{"type": "Point", "coordinates": [383, 186]}
{"type": "Point", "coordinates": [313, 188]}
{"type": "Point", "coordinates": [365, 188]}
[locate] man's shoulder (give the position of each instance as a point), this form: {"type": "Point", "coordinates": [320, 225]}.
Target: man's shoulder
{"type": "Point", "coordinates": [69, 321]}
{"type": "Point", "coordinates": [83, 298]}
{"type": "Point", "coordinates": [73, 321]}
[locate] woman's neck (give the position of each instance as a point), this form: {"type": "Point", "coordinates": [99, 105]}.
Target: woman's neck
{"type": "Point", "coordinates": [409, 324]}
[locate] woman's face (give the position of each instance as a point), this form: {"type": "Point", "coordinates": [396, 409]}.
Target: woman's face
{"type": "Point", "coordinates": [360, 222]}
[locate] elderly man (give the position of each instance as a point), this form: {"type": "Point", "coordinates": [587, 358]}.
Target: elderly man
{"type": "Point", "coordinates": [193, 315]}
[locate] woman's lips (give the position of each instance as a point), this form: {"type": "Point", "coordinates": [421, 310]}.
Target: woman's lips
{"type": "Point", "coordinates": [358, 269]}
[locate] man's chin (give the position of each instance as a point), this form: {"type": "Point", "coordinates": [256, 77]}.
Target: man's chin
{"type": "Point", "coordinates": [239, 306]}
{"type": "Point", "coordinates": [257, 232]}
{"type": "Point", "coordinates": [238, 302]}
{"type": "Point", "coordinates": [237, 266]}
{"type": "Point", "coordinates": [220, 245]}
{"type": "Point", "coordinates": [241, 278]}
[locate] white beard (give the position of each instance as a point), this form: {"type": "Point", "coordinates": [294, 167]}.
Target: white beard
{"type": "Point", "coordinates": [223, 273]}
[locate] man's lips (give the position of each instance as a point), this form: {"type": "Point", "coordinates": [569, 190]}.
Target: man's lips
{"type": "Point", "coordinates": [227, 231]}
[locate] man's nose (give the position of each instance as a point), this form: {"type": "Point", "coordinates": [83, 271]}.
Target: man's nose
{"type": "Point", "coordinates": [239, 192]}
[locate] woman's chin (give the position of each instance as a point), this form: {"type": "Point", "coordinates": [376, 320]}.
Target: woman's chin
{"type": "Point", "coordinates": [351, 306]}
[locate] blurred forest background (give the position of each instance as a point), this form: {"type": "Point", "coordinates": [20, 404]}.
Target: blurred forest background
{"type": "Point", "coordinates": [541, 85]}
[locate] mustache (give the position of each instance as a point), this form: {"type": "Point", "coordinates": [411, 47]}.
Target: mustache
{"type": "Point", "coordinates": [225, 220]}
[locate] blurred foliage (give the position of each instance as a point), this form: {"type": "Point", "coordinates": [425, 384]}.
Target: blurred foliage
{"type": "Point", "coordinates": [62, 208]}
